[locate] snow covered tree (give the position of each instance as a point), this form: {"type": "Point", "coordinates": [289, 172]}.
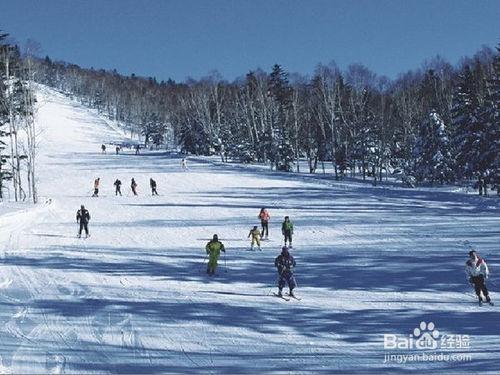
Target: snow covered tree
{"type": "Point", "coordinates": [490, 118]}
{"type": "Point", "coordinates": [467, 129]}
{"type": "Point", "coordinates": [431, 152]}
{"type": "Point", "coordinates": [279, 139]}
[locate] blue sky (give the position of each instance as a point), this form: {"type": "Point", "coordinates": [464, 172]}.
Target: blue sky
{"type": "Point", "coordinates": [188, 38]}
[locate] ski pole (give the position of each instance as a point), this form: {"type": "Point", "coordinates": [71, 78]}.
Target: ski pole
{"type": "Point", "coordinates": [204, 260]}
{"type": "Point", "coordinates": [276, 282]}
{"type": "Point", "coordinates": [225, 263]}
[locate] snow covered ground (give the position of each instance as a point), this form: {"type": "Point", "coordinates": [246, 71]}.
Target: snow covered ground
{"type": "Point", "coordinates": [134, 296]}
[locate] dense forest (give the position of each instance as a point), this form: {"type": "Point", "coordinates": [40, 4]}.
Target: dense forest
{"type": "Point", "coordinates": [437, 124]}
{"type": "Point", "coordinates": [18, 134]}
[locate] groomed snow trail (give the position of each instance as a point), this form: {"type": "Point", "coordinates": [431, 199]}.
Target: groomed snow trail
{"type": "Point", "coordinates": [134, 297]}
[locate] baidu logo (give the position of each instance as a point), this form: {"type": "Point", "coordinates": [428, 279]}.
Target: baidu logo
{"type": "Point", "coordinates": [424, 337]}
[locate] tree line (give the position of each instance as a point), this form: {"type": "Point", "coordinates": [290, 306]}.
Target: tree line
{"type": "Point", "coordinates": [18, 133]}
{"type": "Point", "coordinates": [436, 124]}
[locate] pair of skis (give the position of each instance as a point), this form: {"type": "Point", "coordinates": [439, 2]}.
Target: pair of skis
{"type": "Point", "coordinates": [287, 297]}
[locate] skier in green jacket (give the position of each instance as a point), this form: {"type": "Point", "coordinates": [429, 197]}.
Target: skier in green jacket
{"type": "Point", "coordinates": [213, 248]}
{"type": "Point", "coordinates": [287, 230]}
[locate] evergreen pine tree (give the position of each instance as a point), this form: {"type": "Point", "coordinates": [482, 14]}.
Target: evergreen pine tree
{"type": "Point", "coordinates": [431, 152]}
{"type": "Point", "coordinates": [468, 130]}
{"type": "Point", "coordinates": [281, 132]}
{"type": "Point", "coordinates": [490, 118]}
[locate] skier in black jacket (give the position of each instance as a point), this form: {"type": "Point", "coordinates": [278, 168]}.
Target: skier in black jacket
{"type": "Point", "coordinates": [83, 218]}
{"type": "Point", "coordinates": [118, 187]}
{"type": "Point", "coordinates": [152, 184]}
{"type": "Point", "coordinates": [285, 263]}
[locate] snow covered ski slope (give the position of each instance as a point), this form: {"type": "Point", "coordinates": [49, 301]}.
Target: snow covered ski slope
{"type": "Point", "coordinates": [135, 298]}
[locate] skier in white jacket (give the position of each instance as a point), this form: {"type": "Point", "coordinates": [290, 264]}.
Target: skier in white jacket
{"type": "Point", "coordinates": [477, 272]}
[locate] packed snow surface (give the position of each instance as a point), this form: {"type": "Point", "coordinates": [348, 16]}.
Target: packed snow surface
{"type": "Point", "coordinates": [135, 298]}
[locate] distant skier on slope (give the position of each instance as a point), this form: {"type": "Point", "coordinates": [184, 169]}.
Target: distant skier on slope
{"type": "Point", "coordinates": [137, 149]}
{"type": "Point", "coordinates": [285, 263]}
{"type": "Point", "coordinates": [103, 148]}
{"type": "Point", "coordinates": [152, 184]}
{"type": "Point", "coordinates": [133, 186]}
{"type": "Point", "coordinates": [477, 272]}
{"type": "Point", "coordinates": [117, 150]}
{"type": "Point", "coordinates": [213, 249]}
{"type": "Point", "coordinates": [96, 187]}
{"type": "Point", "coordinates": [83, 218]}
{"type": "Point", "coordinates": [287, 230]}
{"type": "Point", "coordinates": [118, 187]}
{"type": "Point", "coordinates": [255, 234]}
{"type": "Point", "coordinates": [264, 221]}
{"type": "Point", "coordinates": [184, 164]}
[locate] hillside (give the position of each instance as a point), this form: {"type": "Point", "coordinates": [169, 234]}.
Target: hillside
{"type": "Point", "coordinates": [135, 298]}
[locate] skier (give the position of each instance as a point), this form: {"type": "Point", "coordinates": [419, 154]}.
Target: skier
{"type": "Point", "coordinates": [133, 186]}
{"type": "Point", "coordinates": [285, 265]}
{"type": "Point", "coordinates": [477, 272]}
{"type": "Point", "coordinates": [287, 230]}
{"type": "Point", "coordinates": [184, 164]}
{"type": "Point", "coordinates": [137, 149]}
{"type": "Point", "coordinates": [255, 233]}
{"type": "Point", "coordinates": [96, 187]}
{"type": "Point", "coordinates": [117, 149]}
{"type": "Point", "coordinates": [103, 148]}
{"type": "Point", "coordinates": [213, 249]}
{"type": "Point", "coordinates": [118, 187]}
{"type": "Point", "coordinates": [152, 183]}
{"type": "Point", "coordinates": [264, 221]}
{"type": "Point", "coordinates": [83, 218]}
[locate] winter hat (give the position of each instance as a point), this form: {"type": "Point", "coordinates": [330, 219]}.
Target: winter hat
{"type": "Point", "coordinates": [284, 250]}
{"type": "Point", "coordinates": [215, 238]}
{"type": "Point", "coordinates": [255, 227]}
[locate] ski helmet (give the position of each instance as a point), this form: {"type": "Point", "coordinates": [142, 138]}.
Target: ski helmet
{"type": "Point", "coordinates": [215, 237]}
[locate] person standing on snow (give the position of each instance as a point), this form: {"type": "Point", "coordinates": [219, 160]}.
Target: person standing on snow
{"type": "Point", "coordinates": [83, 218]}
{"type": "Point", "coordinates": [137, 149]}
{"type": "Point", "coordinates": [287, 230]}
{"type": "Point", "coordinates": [152, 184]}
{"type": "Point", "coordinates": [264, 221]}
{"type": "Point", "coordinates": [96, 187]}
{"type": "Point", "coordinates": [117, 150]}
{"type": "Point", "coordinates": [477, 272]}
{"type": "Point", "coordinates": [213, 249]}
{"type": "Point", "coordinates": [118, 187]}
{"type": "Point", "coordinates": [184, 164]}
{"type": "Point", "coordinates": [255, 233]}
{"type": "Point", "coordinates": [103, 148]}
{"type": "Point", "coordinates": [133, 186]}
{"type": "Point", "coordinates": [285, 263]}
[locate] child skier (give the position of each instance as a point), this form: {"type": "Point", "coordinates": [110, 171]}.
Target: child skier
{"type": "Point", "coordinates": [96, 187]}
{"type": "Point", "coordinates": [477, 272]}
{"type": "Point", "coordinates": [118, 187]}
{"type": "Point", "coordinates": [287, 230]}
{"type": "Point", "coordinates": [133, 186]}
{"type": "Point", "coordinates": [255, 233]}
{"type": "Point", "coordinates": [83, 218]}
{"type": "Point", "coordinates": [264, 221]}
{"type": "Point", "coordinates": [285, 263]}
{"type": "Point", "coordinates": [152, 184]}
{"type": "Point", "coordinates": [213, 249]}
